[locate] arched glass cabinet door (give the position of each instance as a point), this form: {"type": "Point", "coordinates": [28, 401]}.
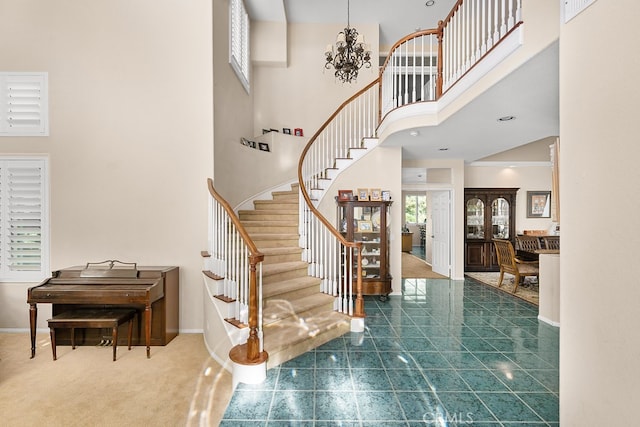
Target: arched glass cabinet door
{"type": "Point", "coordinates": [475, 218]}
{"type": "Point", "coordinates": [500, 218]}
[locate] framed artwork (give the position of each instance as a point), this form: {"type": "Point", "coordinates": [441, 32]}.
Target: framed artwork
{"type": "Point", "coordinates": [345, 195]}
{"type": "Point", "coordinates": [364, 225]}
{"type": "Point", "coordinates": [538, 204]}
{"type": "Point", "coordinates": [375, 194]}
{"type": "Point", "coordinates": [386, 195]}
{"type": "Point", "coordinates": [286, 131]}
{"type": "Point", "coordinates": [363, 194]}
{"type": "Point", "coordinates": [298, 132]}
{"type": "Point", "coordinates": [263, 146]}
{"type": "Point", "coordinates": [251, 144]}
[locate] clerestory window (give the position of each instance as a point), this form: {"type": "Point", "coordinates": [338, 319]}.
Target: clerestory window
{"type": "Point", "coordinates": [239, 41]}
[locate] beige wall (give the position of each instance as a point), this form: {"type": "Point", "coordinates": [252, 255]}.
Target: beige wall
{"type": "Point", "coordinates": [599, 175]}
{"type": "Point", "coordinates": [304, 94]}
{"type": "Point", "coordinates": [131, 133]}
{"type": "Point", "coordinates": [233, 109]}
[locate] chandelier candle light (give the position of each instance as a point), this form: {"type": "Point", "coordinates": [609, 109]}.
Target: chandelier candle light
{"type": "Point", "coordinates": [349, 55]}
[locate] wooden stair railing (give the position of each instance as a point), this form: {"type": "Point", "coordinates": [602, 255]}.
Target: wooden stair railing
{"type": "Point", "coordinates": [426, 64]}
{"type": "Point", "coordinates": [328, 253]}
{"type": "Point", "coordinates": [234, 257]}
{"type": "Point", "coordinates": [420, 67]}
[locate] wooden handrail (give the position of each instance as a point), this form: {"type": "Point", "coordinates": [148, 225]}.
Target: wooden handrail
{"type": "Point", "coordinates": [253, 250]}
{"type": "Point", "coordinates": [359, 303]}
{"type": "Point", "coordinates": [249, 353]}
{"type": "Point", "coordinates": [433, 31]}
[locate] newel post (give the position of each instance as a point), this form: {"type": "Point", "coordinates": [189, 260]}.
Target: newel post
{"type": "Point", "coordinates": [359, 309]}
{"type": "Point", "coordinates": [440, 60]}
{"type": "Point", "coordinates": [253, 342]}
{"type": "Point", "coordinates": [249, 363]}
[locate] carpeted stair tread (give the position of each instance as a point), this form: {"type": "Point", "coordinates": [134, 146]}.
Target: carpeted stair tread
{"type": "Point", "coordinates": [268, 222]}
{"type": "Point", "coordinates": [274, 236]}
{"type": "Point", "coordinates": [294, 336]}
{"type": "Point", "coordinates": [280, 204]}
{"type": "Point", "coordinates": [276, 310]}
{"type": "Point", "coordinates": [281, 250]}
{"type": "Point", "coordinates": [291, 286]}
{"type": "Point", "coordinates": [282, 267]}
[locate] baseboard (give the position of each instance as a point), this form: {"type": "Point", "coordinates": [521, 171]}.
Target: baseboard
{"type": "Point", "coordinates": [549, 322]}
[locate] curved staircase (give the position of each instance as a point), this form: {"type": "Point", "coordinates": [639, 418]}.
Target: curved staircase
{"type": "Point", "coordinates": [297, 317]}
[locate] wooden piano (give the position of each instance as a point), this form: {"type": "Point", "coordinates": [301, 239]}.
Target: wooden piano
{"type": "Point", "coordinates": [150, 290]}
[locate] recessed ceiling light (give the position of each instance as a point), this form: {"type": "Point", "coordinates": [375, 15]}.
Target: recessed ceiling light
{"type": "Point", "coordinates": [430, 3]}
{"type": "Point", "coordinates": [414, 133]}
{"type": "Point", "coordinates": [506, 118]}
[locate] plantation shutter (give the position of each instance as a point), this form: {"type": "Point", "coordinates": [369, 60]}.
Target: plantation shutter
{"type": "Point", "coordinates": [23, 219]}
{"type": "Point", "coordinates": [24, 104]}
{"type": "Point", "coordinates": [574, 7]}
{"type": "Point", "coordinates": [239, 41]}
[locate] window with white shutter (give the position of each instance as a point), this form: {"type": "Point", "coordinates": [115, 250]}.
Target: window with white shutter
{"type": "Point", "coordinates": [239, 41]}
{"type": "Point", "coordinates": [24, 219]}
{"type": "Point", "coordinates": [24, 104]}
{"type": "Point", "coordinates": [573, 7]}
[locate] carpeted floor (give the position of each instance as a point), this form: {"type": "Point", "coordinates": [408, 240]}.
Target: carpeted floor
{"type": "Point", "coordinates": [180, 385]}
{"type": "Point", "coordinates": [416, 268]}
{"type": "Point", "coordinates": [528, 291]}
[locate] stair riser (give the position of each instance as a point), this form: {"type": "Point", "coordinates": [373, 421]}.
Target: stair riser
{"type": "Point", "coordinates": [284, 243]}
{"type": "Point", "coordinates": [275, 259]}
{"type": "Point", "coordinates": [297, 293]}
{"type": "Point", "coordinates": [272, 229]}
{"type": "Point", "coordinates": [280, 356]}
{"type": "Point", "coordinates": [275, 206]}
{"type": "Point", "coordinates": [286, 197]}
{"type": "Point", "coordinates": [284, 317]}
{"type": "Point", "coordinates": [285, 275]}
{"type": "Point", "coordinates": [259, 216]}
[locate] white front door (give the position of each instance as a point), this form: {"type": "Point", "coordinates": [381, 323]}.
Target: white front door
{"type": "Point", "coordinates": [441, 214]}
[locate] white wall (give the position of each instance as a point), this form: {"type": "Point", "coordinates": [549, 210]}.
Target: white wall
{"type": "Point", "coordinates": [599, 175]}
{"type": "Point", "coordinates": [130, 147]}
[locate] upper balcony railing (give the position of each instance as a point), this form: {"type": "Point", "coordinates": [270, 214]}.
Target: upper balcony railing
{"type": "Point", "coordinates": [425, 64]}
{"type": "Point", "coordinates": [420, 67]}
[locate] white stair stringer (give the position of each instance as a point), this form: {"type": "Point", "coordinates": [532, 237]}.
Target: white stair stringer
{"type": "Point", "coordinates": [341, 165]}
{"type": "Point", "coordinates": [220, 335]}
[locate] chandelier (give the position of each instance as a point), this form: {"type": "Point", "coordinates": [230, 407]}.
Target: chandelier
{"type": "Point", "coordinates": [349, 54]}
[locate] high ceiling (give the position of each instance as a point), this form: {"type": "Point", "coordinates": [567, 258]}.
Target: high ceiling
{"type": "Point", "coordinates": [530, 93]}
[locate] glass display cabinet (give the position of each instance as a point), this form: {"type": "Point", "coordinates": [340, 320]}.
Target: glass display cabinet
{"type": "Point", "coordinates": [368, 222]}
{"type": "Point", "coordinates": [489, 214]}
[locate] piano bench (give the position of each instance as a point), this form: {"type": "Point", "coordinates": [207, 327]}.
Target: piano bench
{"type": "Point", "coordinates": [92, 318]}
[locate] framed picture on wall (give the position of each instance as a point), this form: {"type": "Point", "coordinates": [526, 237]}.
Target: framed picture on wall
{"type": "Point", "coordinates": [538, 204]}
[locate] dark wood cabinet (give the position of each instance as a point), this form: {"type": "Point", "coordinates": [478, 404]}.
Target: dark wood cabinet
{"type": "Point", "coordinates": [368, 222]}
{"type": "Point", "coordinates": [490, 213]}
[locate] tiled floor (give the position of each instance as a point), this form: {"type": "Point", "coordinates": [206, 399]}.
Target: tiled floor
{"type": "Point", "coordinates": [445, 353]}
